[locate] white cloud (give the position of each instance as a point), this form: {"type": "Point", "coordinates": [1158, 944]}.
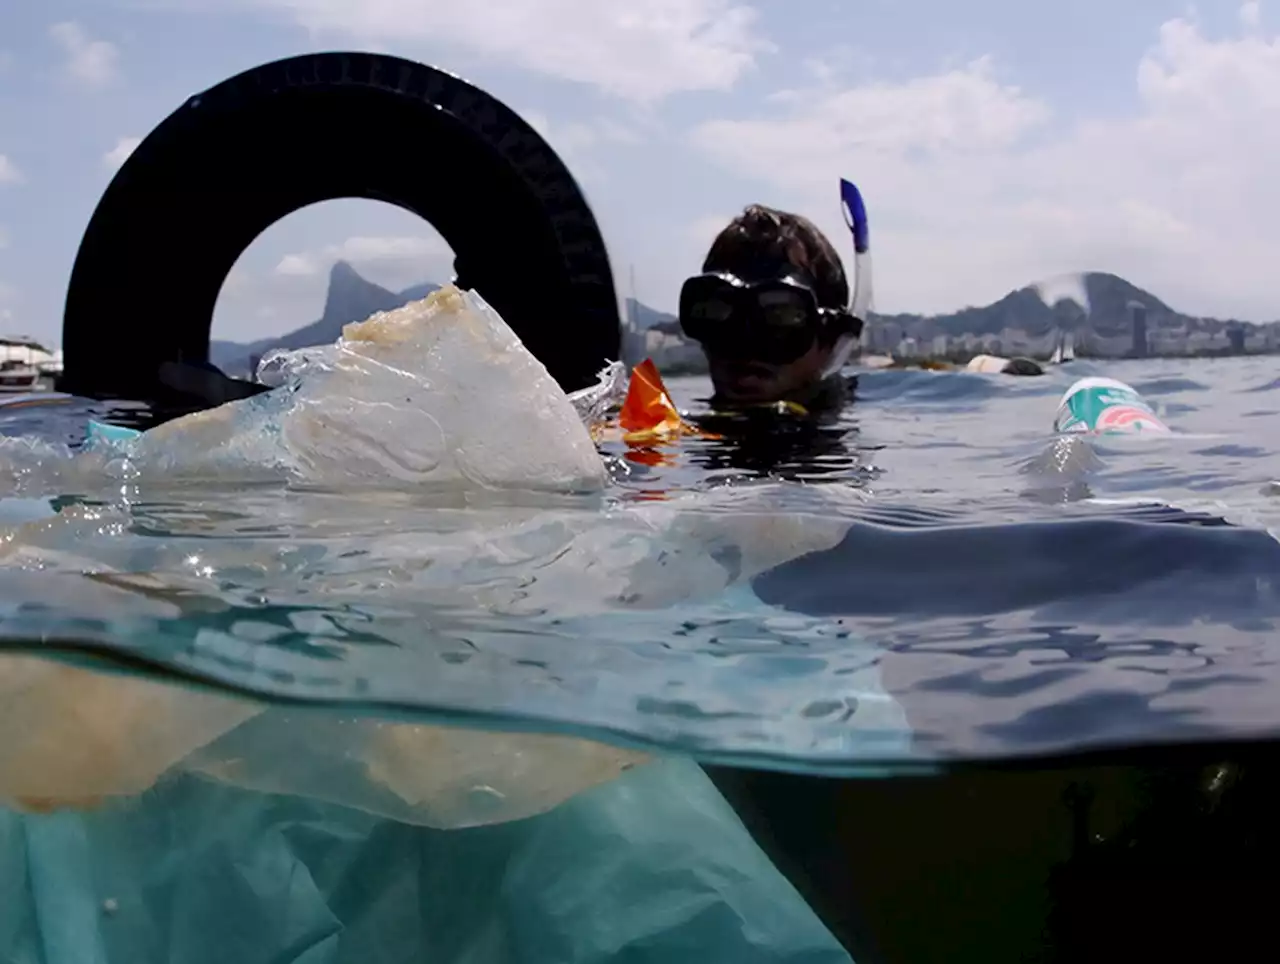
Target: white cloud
{"type": "Point", "coordinates": [973, 188]}
{"type": "Point", "coordinates": [92, 63]}
{"type": "Point", "coordinates": [575, 141]}
{"type": "Point", "coordinates": [9, 173]}
{"type": "Point", "coordinates": [703, 230]}
{"type": "Point", "coordinates": [575, 137]}
{"type": "Point", "coordinates": [642, 49]}
{"type": "Point", "coordinates": [406, 250]}
{"type": "Point", "coordinates": [1251, 14]}
{"type": "Point", "coordinates": [297, 266]}
{"type": "Point", "coordinates": [115, 158]}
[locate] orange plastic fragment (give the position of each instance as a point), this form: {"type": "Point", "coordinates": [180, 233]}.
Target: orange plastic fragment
{"type": "Point", "coordinates": [649, 414]}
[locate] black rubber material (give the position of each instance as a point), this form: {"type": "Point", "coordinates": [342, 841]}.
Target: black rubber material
{"type": "Point", "coordinates": [1022, 366]}
{"type": "Point", "coordinates": [237, 158]}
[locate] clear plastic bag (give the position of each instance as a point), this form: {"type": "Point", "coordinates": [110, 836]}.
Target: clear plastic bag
{"type": "Point", "coordinates": [74, 737]}
{"type": "Point", "coordinates": [594, 402]}
{"type": "Point", "coordinates": [79, 737]}
{"type": "Point", "coordinates": [430, 776]}
{"type": "Point", "coordinates": [438, 393]}
{"type": "Point", "coordinates": [652, 867]}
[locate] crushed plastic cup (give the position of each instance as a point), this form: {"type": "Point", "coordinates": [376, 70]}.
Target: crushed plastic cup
{"type": "Point", "coordinates": [1106, 406]}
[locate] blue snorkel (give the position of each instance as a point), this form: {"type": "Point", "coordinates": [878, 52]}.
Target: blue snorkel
{"type": "Point", "coordinates": [855, 216]}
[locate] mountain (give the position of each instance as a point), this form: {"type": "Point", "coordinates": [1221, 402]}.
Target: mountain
{"type": "Point", "coordinates": [350, 297]}
{"type": "Point", "coordinates": [1095, 300]}
{"type": "Point", "coordinates": [417, 292]}
{"type": "Point", "coordinates": [644, 317]}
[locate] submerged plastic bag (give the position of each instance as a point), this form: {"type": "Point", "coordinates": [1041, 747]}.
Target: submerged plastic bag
{"type": "Point", "coordinates": [433, 776]}
{"type": "Point", "coordinates": [285, 834]}
{"type": "Point", "coordinates": [438, 393]}
{"type": "Point", "coordinates": [74, 738]}
{"type": "Point", "coordinates": [654, 867]}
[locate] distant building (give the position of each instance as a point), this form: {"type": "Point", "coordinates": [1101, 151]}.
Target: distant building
{"type": "Point", "coordinates": [674, 354]}
{"type": "Point", "coordinates": [1138, 318]}
{"type": "Point", "coordinates": [23, 350]}
{"type": "Point", "coordinates": [1235, 338]}
{"type": "Point", "coordinates": [890, 336]}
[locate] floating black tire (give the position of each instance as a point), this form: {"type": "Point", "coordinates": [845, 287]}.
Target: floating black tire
{"type": "Point", "coordinates": [239, 157]}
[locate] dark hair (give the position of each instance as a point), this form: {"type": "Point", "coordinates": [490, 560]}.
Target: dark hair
{"type": "Point", "coordinates": [761, 240]}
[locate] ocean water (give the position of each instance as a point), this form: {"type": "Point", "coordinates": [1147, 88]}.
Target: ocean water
{"type": "Point", "coordinates": [928, 579]}
{"type": "Point", "coordinates": [1129, 599]}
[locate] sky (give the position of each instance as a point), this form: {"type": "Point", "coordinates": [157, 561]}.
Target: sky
{"type": "Point", "coordinates": [997, 142]}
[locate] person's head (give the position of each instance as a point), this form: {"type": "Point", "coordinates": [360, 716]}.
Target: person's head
{"type": "Point", "coordinates": [770, 307]}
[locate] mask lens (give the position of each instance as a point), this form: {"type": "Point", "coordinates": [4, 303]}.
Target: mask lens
{"type": "Point", "coordinates": [785, 309]}
{"type": "Point", "coordinates": [707, 305]}
{"type": "Point", "coordinates": [712, 310]}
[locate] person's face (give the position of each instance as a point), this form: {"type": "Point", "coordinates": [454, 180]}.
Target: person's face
{"type": "Point", "coordinates": [747, 381]}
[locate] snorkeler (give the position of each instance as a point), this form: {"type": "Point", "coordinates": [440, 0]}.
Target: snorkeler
{"type": "Point", "coordinates": [769, 311]}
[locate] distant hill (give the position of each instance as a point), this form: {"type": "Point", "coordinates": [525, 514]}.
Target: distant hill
{"type": "Point", "coordinates": [1097, 300]}
{"type": "Point", "coordinates": [645, 317]}
{"type": "Point", "coordinates": [350, 297]}
{"type": "Point", "coordinates": [1094, 299]}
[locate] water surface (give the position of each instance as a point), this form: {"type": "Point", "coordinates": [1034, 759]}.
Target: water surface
{"type": "Point", "coordinates": [912, 583]}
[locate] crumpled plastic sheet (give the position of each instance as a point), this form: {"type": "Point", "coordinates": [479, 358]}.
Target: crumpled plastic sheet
{"type": "Point", "coordinates": [652, 867]}
{"type": "Point", "coordinates": [88, 736]}
{"type": "Point", "coordinates": [157, 822]}
{"type": "Point", "coordinates": [437, 394]}
{"type": "Point", "coordinates": [594, 402]}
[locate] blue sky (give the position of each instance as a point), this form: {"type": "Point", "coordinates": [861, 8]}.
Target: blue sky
{"type": "Point", "coordinates": [996, 141]}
